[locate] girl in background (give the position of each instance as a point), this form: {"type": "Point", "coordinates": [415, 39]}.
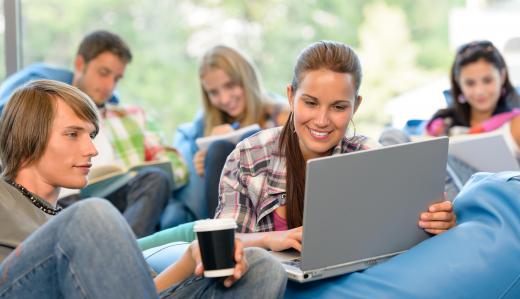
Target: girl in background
{"type": "Point", "coordinates": [484, 99]}
{"type": "Point", "coordinates": [232, 97]}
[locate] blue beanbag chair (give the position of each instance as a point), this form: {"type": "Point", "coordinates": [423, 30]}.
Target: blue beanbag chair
{"type": "Point", "coordinates": [479, 258]}
{"type": "Point", "coordinates": [160, 257]}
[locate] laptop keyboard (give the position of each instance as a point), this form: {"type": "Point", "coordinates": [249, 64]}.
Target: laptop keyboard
{"type": "Point", "coordinates": [294, 263]}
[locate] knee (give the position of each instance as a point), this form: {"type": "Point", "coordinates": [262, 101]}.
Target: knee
{"type": "Point", "coordinates": [93, 206]}
{"type": "Point", "coordinates": [249, 134]}
{"type": "Point", "coordinates": [153, 173]}
{"type": "Point", "coordinates": [155, 176]}
{"type": "Point", "coordinates": [94, 211]}
{"type": "Point", "coordinates": [262, 263]}
{"type": "Point", "coordinates": [97, 214]}
{"type": "Point", "coordinates": [94, 223]}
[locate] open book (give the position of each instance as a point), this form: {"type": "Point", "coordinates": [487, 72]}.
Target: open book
{"type": "Point", "coordinates": [105, 179]}
{"type": "Point", "coordinates": [233, 137]}
{"type": "Point", "coordinates": [485, 152]}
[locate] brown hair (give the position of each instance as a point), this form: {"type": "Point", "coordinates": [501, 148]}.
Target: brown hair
{"type": "Point", "coordinates": [329, 55]}
{"type": "Point", "coordinates": [102, 41]}
{"type": "Point", "coordinates": [242, 72]}
{"type": "Point", "coordinates": [26, 122]}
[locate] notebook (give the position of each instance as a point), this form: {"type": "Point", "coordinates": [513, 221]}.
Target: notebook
{"type": "Point", "coordinates": [233, 136]}
{"type": "Point", "coordinates": [362, 208]}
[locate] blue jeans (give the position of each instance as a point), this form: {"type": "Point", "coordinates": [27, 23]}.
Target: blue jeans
{"type": "Point", "coordinates": [141, 201]}
{"type": "Point", "coordinates": [88, 251]}
{"type": "Point", "coordinates": [214, 162]}
{"type": "Point", "coordinates": [176, 213]}
{"type": "Point", "coordinates": [459, 172]}
{"type": "Point", "coordinates": [265, 278]}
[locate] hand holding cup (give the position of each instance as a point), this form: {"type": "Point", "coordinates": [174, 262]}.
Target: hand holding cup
{"type": "Point", "coordinates": [216, 252]}
{"type": "Point", "coordinates": [241, 265]}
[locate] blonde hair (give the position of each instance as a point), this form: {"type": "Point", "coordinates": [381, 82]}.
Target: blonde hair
{"type": "Point", "coordinates": [241, 72]}
{"type": "Point", "coordinates": [27, 119]}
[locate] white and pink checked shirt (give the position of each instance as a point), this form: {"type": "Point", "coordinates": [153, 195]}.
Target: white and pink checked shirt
{"type": "Point", "coordinates": [252, 185]}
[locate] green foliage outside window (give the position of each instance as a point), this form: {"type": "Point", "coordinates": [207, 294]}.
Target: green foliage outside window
{"type": "Point", "coordinates": [403, 43]}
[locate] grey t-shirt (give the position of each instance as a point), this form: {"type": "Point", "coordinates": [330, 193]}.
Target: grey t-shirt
{"type": "Point", "coordinates": [18, 218]}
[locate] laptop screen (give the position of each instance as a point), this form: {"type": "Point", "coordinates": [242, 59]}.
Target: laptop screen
{"type": "Point", "coordinates": [366, 204]}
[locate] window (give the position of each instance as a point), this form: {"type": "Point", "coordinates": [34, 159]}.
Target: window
{"type": "Point", "coordinates": [168, 36]}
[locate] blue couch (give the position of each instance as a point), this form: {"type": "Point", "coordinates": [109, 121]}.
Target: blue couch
{"type": "Point", "coordinates": [480, 258]}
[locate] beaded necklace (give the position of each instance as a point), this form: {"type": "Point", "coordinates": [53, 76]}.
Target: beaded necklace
{"type": "Point", "coordinates": [40, 204]}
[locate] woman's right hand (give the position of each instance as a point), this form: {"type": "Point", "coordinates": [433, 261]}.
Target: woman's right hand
{"type": "Point", "coordinates": [198, 162]}
{"type": "Point", "coordinates": [281, 240]}
{"type": "Point", "coordinates": [241, 265]}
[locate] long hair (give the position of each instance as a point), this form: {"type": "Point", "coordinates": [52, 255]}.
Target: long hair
{"type": "Point", "coordinates": [460, 113]}
{"type": "Point", "coordinates": [243, 73]}
{"type": "Point", "coordinates": [329, 55]}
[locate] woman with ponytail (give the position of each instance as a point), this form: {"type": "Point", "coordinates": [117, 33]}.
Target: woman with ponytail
{"type": "Point", "coordinates": [263, 181]}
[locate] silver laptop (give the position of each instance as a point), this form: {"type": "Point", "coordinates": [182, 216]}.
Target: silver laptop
{"type": "Point", "coordinates": [362, 208]}
{"type": "Point", "coordinates": [484, 152]}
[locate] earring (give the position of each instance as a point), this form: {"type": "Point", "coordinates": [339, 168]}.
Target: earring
{"type": "Point", "coordinates": [348, 129]}
{"type": "Point", "coordinates": [461, 99]}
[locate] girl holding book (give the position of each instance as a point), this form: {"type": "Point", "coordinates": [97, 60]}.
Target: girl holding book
{"type": "Point", "coordinates": [233, 97]}
{"type": "Point", "coordinates": [483, 98]}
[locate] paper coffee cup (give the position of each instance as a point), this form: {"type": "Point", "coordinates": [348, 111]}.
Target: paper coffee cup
{"type": "Point", "coordinates": [217, 246]}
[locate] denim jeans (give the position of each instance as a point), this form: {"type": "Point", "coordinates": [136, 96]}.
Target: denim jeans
{"type": "Point", "coordinates": [459, 173]}
{"type": "Point", "coordinates": [142, 200]}
{"type": "Point", "coordinates": [265, 278]}
{"type": "Point", "coordinates": [214, 162]}
{"type": "Point", "coordinates": [88, 251]}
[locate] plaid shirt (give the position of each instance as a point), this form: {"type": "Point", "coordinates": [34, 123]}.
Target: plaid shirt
{"type": "Point", "coordinates": [136, 139]}
{"type": "Point", "coordinates": [252, 185]}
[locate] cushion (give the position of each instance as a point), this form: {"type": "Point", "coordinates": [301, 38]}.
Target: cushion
{"type": "Point", "coordinates": [479, 258]}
